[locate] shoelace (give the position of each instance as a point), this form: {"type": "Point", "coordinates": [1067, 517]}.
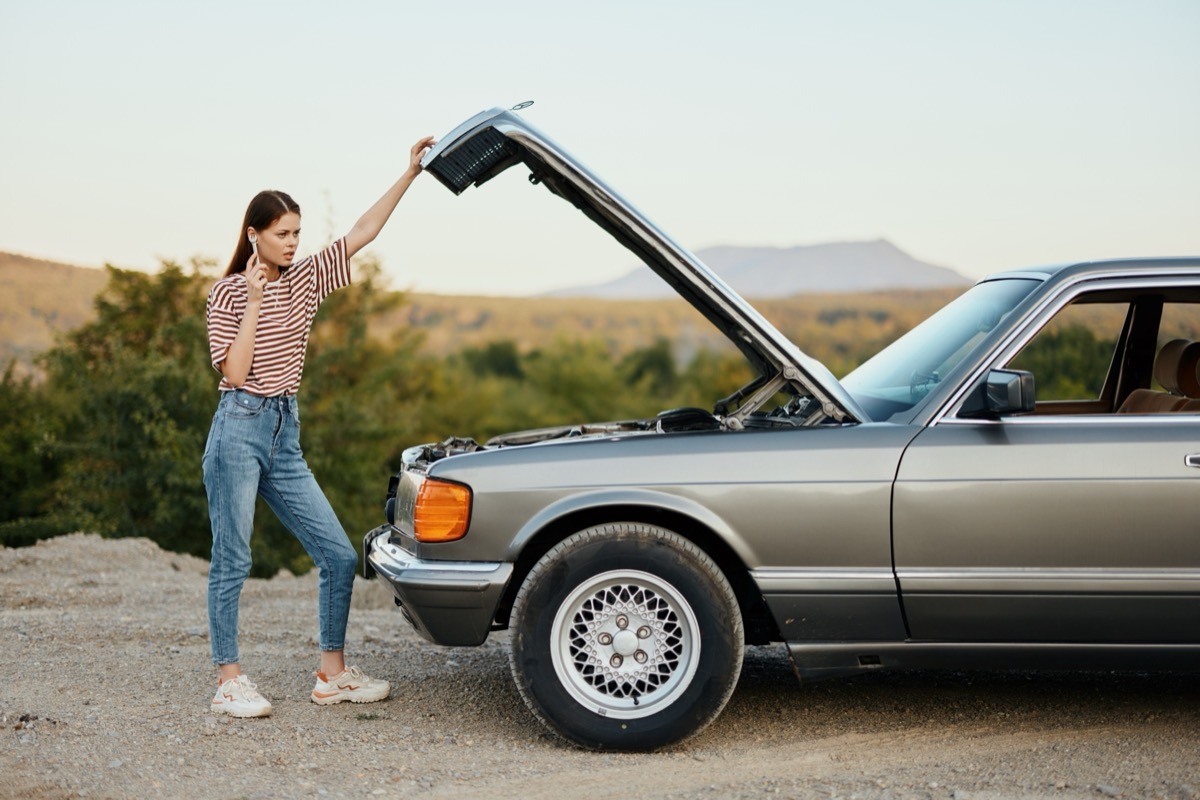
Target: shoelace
{"type": "Point", "coordinates": [353, 673]}
{"type": "Point", "coordinates": [250, 689]}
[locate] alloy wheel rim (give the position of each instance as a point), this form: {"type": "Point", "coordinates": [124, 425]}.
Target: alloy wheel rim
{"type": "Point", "coordinates": [625, 644]}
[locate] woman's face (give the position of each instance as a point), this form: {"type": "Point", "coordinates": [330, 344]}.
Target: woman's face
{"type": "Point", "coordinates": [277, 244]}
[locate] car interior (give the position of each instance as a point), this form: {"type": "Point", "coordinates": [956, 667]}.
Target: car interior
{"type": "Point", "coordinates": [1118, 352]}
{"type": "Point", "coordinates": [1175, 370]}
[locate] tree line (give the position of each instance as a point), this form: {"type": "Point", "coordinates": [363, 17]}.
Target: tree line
{"type": "Point", "coordinates": [108, 437]}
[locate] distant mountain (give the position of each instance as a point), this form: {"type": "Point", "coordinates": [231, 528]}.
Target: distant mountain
{"type": "Point", "coordinates": [767, 272]}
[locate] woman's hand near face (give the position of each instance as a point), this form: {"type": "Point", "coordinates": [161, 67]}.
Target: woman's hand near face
{"type": "Point", "coordinates": [256, 279]}
{"type": "Point", "coordinates": [240, 356]}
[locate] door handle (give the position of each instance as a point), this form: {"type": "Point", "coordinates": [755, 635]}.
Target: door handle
{"type": "Point", "coordinates": [1192, 460]}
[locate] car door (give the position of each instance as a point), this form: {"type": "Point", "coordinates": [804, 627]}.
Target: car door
{"type": "Point", "coordinates": [1054, 527]}
{"type": "Point", "coordinates": [1069, 530]}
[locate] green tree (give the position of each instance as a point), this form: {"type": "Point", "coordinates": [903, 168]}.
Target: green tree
{"type": "Point", "coordinates": [112, 440]}
{"type": "Point", "coordinates": [29, 464]}
{"type": "Point", "coordinates": [495, 358]}
{"type": "Point", "coordinates": [710, 376]}
{"type": "Point", "coordinates": [652, 367]}
{"type": "Point", "coordinates": [133, 388]}
{"type": "Point", "coordinates": [1068, 363]}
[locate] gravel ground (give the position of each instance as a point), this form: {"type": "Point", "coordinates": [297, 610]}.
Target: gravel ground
{"type": "Point", "coordinates": [107, 658]}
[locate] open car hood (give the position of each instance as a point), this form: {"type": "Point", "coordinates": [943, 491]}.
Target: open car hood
{"type": "Point", "coordinates": [492, 141]}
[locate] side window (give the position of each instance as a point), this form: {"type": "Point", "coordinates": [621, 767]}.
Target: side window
{"type": "Point", "coordinates": [1071, 355]}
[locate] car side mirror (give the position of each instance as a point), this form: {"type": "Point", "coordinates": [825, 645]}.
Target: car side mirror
{"type": "Point", "coordinates": [1009, 391]}
{"type": "Point", "coordinates": [1002, 393]}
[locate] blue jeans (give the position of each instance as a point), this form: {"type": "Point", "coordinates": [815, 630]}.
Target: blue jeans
{"type": "Point", "coordinates": [253, 449]}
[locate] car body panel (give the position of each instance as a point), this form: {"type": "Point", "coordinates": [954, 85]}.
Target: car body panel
{"type": "Point", "coordinates": [821, 496]}
{"type": "Point", "coordinates": [1101, 542]}
{"type": "Point", "coordinates": [520, 490]}
{"type": "Point", "coordinates": [832, 604]}
{"type": "Point", "coordinates": [819, 660]}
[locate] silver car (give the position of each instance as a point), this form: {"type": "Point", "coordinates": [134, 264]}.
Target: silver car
{"type": "Point", "coordinates": [924, 511]}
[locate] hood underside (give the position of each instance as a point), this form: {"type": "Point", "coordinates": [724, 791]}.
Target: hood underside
{"type": "Point", "coordinates": [493, 141]}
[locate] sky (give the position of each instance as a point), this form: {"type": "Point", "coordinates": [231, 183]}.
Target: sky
{"type": "Point", "coordinates": [973, 134]}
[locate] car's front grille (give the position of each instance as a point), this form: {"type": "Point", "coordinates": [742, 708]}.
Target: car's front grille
{"type": "Point", "coordinates": [484, 155]}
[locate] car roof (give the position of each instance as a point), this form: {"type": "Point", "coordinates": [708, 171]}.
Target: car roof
{"type": "Point", "coordinates": [1073, 270]}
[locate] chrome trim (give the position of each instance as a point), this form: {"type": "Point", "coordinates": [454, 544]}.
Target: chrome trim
{"type": "Point", "coordinates": [1170, 418]}
{"type": "Point", "coordinates": [1033, 580]}
{"type": "Point", "coordinates": [385, 556]}
{"type": "Point", "coordinates": [449, 142]}
{"type": "Point", "coordinates": [824, 580]}
{"type": "Point", "coordinates": [1023, 331]}
{"type": "Point", "coordinates": [1025, 275]}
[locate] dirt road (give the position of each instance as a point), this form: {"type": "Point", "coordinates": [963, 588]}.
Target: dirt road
{"type": "Point", "coordinates": [108, 679]}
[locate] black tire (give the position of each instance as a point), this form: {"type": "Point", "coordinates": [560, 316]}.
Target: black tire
{"type": "Point", "coordinates": [626, 637]}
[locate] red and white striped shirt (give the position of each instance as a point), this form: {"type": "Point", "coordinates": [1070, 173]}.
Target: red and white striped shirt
{"type": "Point", "coordinates": [284, 319]}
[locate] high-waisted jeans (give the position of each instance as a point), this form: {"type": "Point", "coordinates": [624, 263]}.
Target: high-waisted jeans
{"type": "Point", "coordinates": [254, 449]}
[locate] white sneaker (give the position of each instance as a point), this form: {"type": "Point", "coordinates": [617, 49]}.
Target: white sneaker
{"type": "Point", "coordinates": [238, 697]}
{"type": "Point", "coordinates": [351, 685]}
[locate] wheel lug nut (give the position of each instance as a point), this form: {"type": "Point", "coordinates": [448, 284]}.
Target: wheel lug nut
{"type": "Point", "coordinates": [622, 622]}
{"type": "Point", "coordinates": [616, 661]}
{"type": "Point", "coordinates": [640, 656]}
{"type": "Point", "coordinates": [604, 639]}
{"type": "Point", "coordinates": [643, 632]}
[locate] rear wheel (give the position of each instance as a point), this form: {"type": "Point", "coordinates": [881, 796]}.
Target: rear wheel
{"type": "Point", "coordinates": [626, 636]}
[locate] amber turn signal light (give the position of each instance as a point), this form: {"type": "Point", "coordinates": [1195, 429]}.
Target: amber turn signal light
{"type": "Point", "coordinates": [442, 511]}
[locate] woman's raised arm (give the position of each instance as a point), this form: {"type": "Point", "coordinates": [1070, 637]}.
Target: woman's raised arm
{"type": "Point", "coordinates": [371, 223]}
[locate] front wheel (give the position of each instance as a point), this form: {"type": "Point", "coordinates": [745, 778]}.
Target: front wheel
{"type": "Point", "coordinates": [626, 636]}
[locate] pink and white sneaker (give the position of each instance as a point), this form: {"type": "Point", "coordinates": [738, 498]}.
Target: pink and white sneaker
{"type": "Point", "coordinates": [351, 685]}
{"type": "Point", "coordinates": [238, 697]}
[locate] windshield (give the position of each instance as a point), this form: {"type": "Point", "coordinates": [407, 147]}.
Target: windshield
{"type": "Point", "coordinates": [901, 374]}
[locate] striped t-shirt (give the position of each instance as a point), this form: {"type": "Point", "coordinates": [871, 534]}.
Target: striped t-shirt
{"type": "Point", "coordinates": [284, 319]}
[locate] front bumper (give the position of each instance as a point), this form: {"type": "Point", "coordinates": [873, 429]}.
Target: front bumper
{"type": "Point", "coordinates": [448, 602]}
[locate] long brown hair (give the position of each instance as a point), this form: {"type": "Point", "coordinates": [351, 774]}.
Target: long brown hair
{"type": "Point", "coordinates": [263, 211]}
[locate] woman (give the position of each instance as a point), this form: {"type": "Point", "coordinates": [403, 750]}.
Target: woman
{"type": "Point", "coordinates": [259, 317]}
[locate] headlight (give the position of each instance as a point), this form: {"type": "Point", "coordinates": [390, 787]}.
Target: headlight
{"type": "Point", "coordinates": [442, 511]}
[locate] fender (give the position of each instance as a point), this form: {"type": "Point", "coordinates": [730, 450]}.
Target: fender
{"type": "Point", "coordinates": [644, 497]}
